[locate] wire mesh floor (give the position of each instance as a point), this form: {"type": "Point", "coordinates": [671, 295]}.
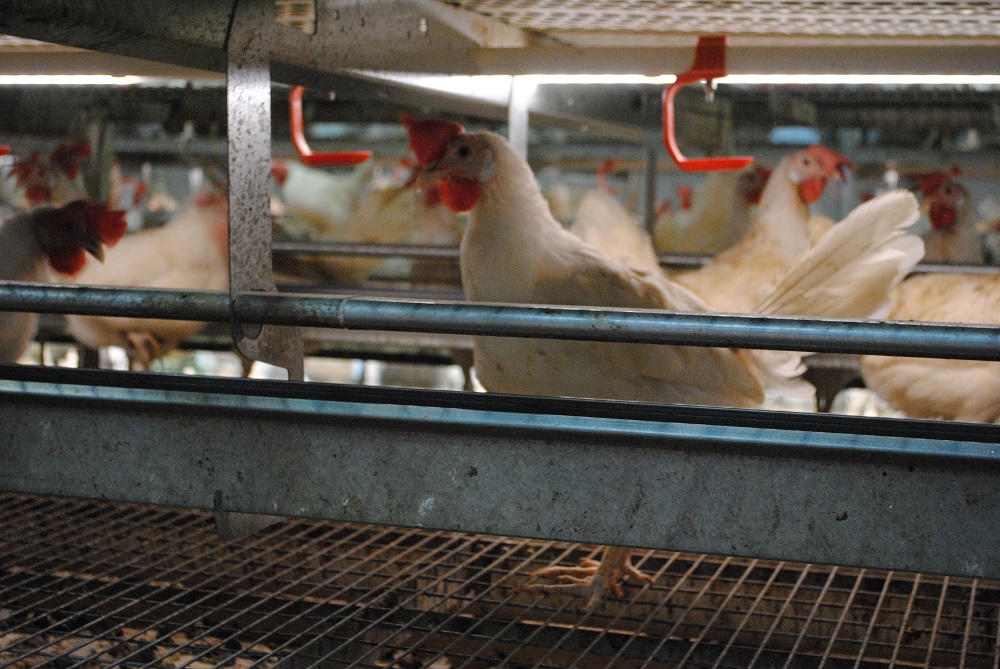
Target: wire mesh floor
{"type": "Point", "coordinates": [87, 583]}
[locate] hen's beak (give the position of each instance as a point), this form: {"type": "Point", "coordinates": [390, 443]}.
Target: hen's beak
{"type": "Point", "coordinates": [95, 248]}
{"type": "Point", "coordinates": [430, 175]}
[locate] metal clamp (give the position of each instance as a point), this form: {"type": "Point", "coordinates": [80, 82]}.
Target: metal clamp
{"type": "Point", "coordinates": [709, 64]}
{"type": "Point", "coordinates": [306, 154]}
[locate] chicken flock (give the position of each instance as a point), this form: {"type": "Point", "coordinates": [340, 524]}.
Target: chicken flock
{"type": "Point", "coordinates": [771, 256]}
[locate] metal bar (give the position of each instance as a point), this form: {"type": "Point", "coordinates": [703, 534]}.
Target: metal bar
{"type": "Point", "coordinates": [844, 613]}
{"type": "Point", "coordinates": [694, 261]}
{"type": "Point", "coordinates": [346, 607]}
{"type": "Point", "coordinates": [517, 115]}
{"type": "Point", "coordinates": [749, 613]}
{"type": "Point", "coordinates": [499, 473]}
{"type": "Point", "coordinates": [671, 260]}
{"type": "Point", "coordinates": [639, 630]}
{"type": "Point", "coordinates": [926, 340]}
{"type": "Point", "coordinates": [553, 612]}
{"type": "Point", "coordinates": [785, 606]}
{"type": "Point", "coordinates": [996, 640]}
{"type": "Point", "coordinates": [721, 609]}
{"type": "Point", "coordinates": [442, 626]}
{"type": "Point", "coordinates": [110, 585]}
{"type": "Point", "coordinates": [369, 250]}
{"type": "Point", "coordinates": [654, 142]}
{"type": "Point", "coordinates": [248, 106]}
{"type": "Point", "coordinates": [256, 584]}
{"type": "Point", "coordinates": [366, 623]}
{"type": "Point", "coordinates": [903, 626]}
{"type": "Point", "coordinates": [967, 629]}
{"type": "Point", "coordinates": [455, 545]}
{"type": "Point", "coordinates": [870, 629]}
{"type": "Point", "coordinates": [642, 631]}
{"type": "Point", "coordinates": [672, 633]}
{"type": "Point", "coordinates": [936, 626]}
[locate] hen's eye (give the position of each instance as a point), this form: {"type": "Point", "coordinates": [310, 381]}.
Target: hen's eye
{"type": "Point", "coordinates": [464, 151]}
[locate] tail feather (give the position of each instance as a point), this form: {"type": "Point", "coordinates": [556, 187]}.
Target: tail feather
{"type": "Point", "coordinates": [852, 270]}
{"type": "Point", "coordinates": [781, 371]}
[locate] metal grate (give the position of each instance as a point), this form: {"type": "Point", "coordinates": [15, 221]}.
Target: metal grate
{"type": "Point", "coordinates": [592, 23]}
{"type": "Point", "coordinates": [98, 584]}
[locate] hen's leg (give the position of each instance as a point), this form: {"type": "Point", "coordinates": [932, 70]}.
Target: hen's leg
{"type": "Point", "coordinates": [591, 579]}
{"type": "Point", "coordinates": [143, 349]}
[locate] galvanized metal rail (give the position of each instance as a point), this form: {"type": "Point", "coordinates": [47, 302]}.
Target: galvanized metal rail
{"type": "Point", "coordinates": [672, 260]}
{"type": "Point", "coordinates": [472, 318]}
{"type": "Point", "coordinates": [914, 495]}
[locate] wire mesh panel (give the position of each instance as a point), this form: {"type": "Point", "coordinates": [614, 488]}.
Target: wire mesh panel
{"type": "Point", "coordinates": [98, 584]}
{"type": "Point", "coordinates": [584, 20]}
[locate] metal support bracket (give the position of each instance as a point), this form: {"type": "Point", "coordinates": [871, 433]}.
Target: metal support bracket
{"type": "Point", "coordinates": [248, 102]}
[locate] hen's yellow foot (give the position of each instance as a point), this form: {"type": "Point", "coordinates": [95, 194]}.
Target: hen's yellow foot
{"type": "Point", "coordinates": [592, 579]}
{"type": "Point", "coordinates": [143, 349]}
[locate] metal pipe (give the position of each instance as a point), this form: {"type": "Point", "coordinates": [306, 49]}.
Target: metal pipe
{"type": "Point", "coordinates": [127, 302]}
{"type": "Point", "coordinates": [671, 260]}
{"type": "Point", "coordinates": [694, 261]}
{"type": "Point", "coordinates": [368, 250]}
{"type": "Point", "coordinates": [927, 340]}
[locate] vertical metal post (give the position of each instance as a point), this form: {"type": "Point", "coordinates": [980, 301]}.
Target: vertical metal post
{"type": "Point", "coordinates": [654, 141]}
{"type": "Point", "coordinates": [100, 135]}
{"type": "Point", "coordinates": [521, 90]}
{"type": "Point", "coordinates": [248, 102]}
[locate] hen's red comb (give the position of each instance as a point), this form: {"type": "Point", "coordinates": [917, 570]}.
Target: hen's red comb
{"type": "Point", "coordinates": [107, 225]}
{"type": "Point", "coordinates": [429, 137]}
{"type": "Point", "coordinates": [830, 160]}
{"type": "Point", "coordinates": [23, 170]}
{"type": "Point", "coordinates": [139, 194]}
{"type": "Point", "coordinates": [929, 183]}
{"type": "Point", "coordinates": [67, 156]}
{"type": "Point", "coordinates": [279, 171]}
{"type": "Point", "coordinates": [685, 194]}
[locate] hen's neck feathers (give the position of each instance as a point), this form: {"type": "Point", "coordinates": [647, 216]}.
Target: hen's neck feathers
{"type": "Point", "coordinates": [782, 215]}
{"type": "Point", "coordinates": [511, 232]}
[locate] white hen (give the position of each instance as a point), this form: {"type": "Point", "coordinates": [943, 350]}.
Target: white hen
{"type": "Point", "coordinates": [953, 237]}
{"type": "Point", "coordinates": [515, 251]}
{"type": "Point", "coordinates": [736, 280]}
{"type": "Point", "coordinates": [190, 251]}
{"type": "Point", "coordinates": [719, 215]}
{"type": "Point", "coordinates": [963, 390]}
{"type": "Point", "coordinates": [43, 237]}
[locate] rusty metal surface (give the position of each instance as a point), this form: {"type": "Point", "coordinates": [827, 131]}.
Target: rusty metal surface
{"type": "Point", "coordinates": [890, 494]}
{"type": "Point", "coordinates": [95, 584]}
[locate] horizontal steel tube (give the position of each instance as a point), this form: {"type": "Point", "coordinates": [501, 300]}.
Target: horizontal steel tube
{"type": "Point", "coordinates": [672, 260]}
{"type": "Point", "coordinates": [371, 250]}
{"type": "Point", "coordinates": [591, 324]}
